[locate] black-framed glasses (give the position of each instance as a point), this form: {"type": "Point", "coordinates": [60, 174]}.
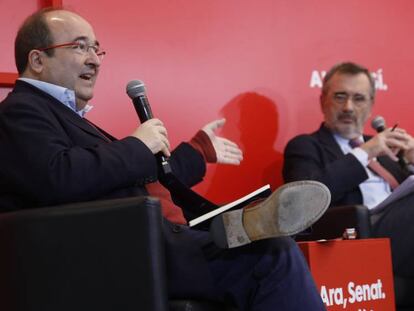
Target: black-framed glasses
{"type": "Point", "coordinates": [79, 46]}
{"type": "Point", "coordinates": [342, 98]}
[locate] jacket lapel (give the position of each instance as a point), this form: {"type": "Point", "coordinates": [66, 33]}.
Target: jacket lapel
{"type": "Point", "coordinates": [328, 142]}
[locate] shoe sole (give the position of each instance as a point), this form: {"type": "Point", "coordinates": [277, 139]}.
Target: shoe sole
{"type": "Point", "coordinates": [289, 210]}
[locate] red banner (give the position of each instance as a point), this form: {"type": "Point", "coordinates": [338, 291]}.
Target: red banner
{"type": "Point", "coordinates": [352, 274]}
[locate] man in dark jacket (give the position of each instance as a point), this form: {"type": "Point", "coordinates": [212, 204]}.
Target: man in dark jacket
{"type": "Point", "coordinates": [358, 169]}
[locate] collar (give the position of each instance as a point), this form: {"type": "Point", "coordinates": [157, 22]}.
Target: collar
{"type": "Point", "coordinates": [62, 94]}
{"type": "Point", "coordinates": [341, 140]}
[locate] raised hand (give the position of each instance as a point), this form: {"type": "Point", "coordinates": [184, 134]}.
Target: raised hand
{"type": "Point", "coordinates": [227, 152]}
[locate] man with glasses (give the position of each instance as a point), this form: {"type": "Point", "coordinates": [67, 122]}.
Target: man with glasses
{"type": "Point", "coordinates": [50, 154]}
{"type": "Point", "coordinates": [357, 169]}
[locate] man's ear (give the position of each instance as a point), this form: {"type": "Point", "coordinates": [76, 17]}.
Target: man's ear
{"type": "Point", "coordinates": [370, 108]}
{"type": "Point", "coordinates": [35, 61]}
{"type": "Point", "coordinates": [321, 101]}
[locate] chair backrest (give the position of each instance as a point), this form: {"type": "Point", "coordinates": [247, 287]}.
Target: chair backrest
{"type": "Point", "coordinates": [101, 255]}
{"type": "Point", "coordinates": [336, 219]}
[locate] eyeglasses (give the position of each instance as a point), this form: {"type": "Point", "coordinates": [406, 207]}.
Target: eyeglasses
{"type": "Point", "coordinates": [79, 46]}
{"type": "Point", "coordinates": [358, 99]}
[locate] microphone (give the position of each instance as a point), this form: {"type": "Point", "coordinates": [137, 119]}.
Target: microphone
{"type": "Point", "coordinates": [378, 124]}
{"type": "Point", "coordinates": [136, 91]}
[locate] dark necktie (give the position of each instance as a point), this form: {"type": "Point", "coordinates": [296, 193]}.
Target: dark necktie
{"type": "Point", "coordinates": [376, 167]}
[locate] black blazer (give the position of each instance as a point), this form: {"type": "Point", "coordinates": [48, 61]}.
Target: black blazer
{"type": "Point", "coordinates": [318, 156]}
{"type": "Point", "coordinates": [50, 155]}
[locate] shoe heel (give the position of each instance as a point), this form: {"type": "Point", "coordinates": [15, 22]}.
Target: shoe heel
{"type": "Point", "coordinates": [235, 236]}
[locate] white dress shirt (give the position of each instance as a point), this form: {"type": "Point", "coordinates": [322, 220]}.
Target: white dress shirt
{"type": "Point", "coordinates": [62, 94]}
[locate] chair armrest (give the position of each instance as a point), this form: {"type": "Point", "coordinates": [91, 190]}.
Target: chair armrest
{"type": "Point", "coordinates": [100, 255]}
{"type": "Point", "coordinates": [336, 219]}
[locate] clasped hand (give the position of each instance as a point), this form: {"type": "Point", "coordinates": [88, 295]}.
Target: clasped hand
{"type": "Point", "coordinates": [390, 142]}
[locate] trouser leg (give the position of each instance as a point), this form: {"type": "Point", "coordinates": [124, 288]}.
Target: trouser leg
{"type": "Point", "coordinates": [267, 275]}
{"type": "Point", "coordinates": [396, 223]}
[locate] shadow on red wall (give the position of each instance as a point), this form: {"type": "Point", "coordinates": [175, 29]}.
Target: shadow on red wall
{"type": "Point", "coordinates": [253, 122]}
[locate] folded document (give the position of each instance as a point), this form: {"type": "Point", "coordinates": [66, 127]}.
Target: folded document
{"type": "Point", "coordinates": [406, 188]}
{"type": "Point", "coordinates": [239, 203]}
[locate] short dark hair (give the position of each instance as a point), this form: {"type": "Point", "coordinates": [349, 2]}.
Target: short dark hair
{"type": "Point", "coordinates": [348, 68]}
{"type": "Point", "coordinates": [33, 34]}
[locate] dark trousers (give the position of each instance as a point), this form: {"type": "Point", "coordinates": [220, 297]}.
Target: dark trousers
{"type": "Point", "coordinates": [267, 275]}
{"type": "Point", "coordinates": [397, 223]}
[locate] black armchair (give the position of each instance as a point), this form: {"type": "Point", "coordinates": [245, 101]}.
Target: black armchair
{"type": "Point", "coordinates": [336, 219]}
{"type": "Point", "coordinates": [101, 255]}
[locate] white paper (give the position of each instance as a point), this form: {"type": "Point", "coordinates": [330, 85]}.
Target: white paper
{"type": "Point", "coordinates": [226, 207]}
{"type": "Point", "coordinates": [404, 189]}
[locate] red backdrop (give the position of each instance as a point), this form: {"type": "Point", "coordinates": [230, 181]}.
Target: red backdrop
{"type": "Point", "coordinates": [257, 63]}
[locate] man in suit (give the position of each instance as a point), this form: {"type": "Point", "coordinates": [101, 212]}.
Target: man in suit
{"type": "Point", "coordinates": [341, 157]}
{"type": "Point", "coordinates": [51, 155]}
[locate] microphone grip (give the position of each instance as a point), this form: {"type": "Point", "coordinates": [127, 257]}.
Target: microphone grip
{"type": "Point", "coordinates": [143, 109]}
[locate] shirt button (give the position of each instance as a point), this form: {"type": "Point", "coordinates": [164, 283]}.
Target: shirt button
{"type": "Point", "coordinates": [177, 228]}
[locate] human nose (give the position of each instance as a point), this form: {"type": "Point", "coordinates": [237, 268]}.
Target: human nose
{"type": "Point", "coordinates": [348, 105]}
{"type": "Point", "coordinates": [93, 58]}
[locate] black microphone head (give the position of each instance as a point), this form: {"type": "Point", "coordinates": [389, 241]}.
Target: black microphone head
{"type": "Point", "coordinates": [135, 88]}
{"type": "Point", "coordinates": [378, 124]}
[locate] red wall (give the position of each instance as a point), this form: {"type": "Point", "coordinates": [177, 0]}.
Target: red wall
{"type": "Point", "coordinates": [257, 63]}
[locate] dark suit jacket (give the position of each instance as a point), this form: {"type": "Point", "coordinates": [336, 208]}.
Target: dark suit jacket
{"type": "Point", "coordinates": [317, 156]}
{"type": "Point", "coordinates": [49, 155]}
